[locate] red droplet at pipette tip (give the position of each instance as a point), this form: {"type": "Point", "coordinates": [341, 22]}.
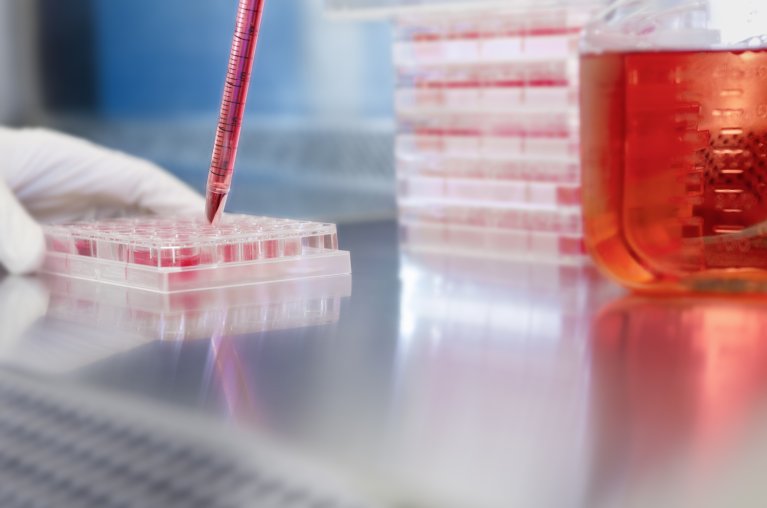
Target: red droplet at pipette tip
{"type": "Point", "coordinates": [249, 13]}
{"type": "Point", "coordinates": [214, 205]}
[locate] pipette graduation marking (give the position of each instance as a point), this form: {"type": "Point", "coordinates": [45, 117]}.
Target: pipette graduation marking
{"type": "Point", "coordinates": [243, 51]}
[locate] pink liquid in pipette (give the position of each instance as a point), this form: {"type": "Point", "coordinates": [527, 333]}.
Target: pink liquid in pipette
{"type": "Point", "coordinates": [243, 51]}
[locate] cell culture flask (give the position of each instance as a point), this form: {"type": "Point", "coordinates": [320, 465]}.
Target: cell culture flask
{"type": "Point", "coordinates": [674, 143]}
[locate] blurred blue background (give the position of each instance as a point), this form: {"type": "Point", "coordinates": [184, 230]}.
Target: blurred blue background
{"type": "Point", "coordinates": [146, 77]}
{"type": "Point", "coordinates": [169, 58]}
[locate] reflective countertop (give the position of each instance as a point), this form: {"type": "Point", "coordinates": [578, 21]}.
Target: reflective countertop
{"type": "Point", "coordinates": [444, 382]}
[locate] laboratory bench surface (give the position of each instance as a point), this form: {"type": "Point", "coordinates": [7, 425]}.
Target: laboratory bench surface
{"type": "Point", "coordinates": [443, 381]}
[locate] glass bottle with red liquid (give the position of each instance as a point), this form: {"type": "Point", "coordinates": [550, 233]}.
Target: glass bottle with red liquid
{"type": "Point", "coordinates": [674, 143]}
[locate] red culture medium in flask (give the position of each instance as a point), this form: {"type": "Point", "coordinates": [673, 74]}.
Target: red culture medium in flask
{"type": "Point", "coordinates": [674, 153]}
{"type": "Point", "coordinates": [249, 14]}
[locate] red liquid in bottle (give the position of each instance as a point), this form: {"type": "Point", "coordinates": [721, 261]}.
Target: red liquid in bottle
{"type": "Point", "coordinates": [674, 152]}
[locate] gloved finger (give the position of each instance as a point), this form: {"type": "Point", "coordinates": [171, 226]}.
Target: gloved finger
{"type": "Point", "coordinates": [23, 301]}
{"type": "Point", "coordinates": [30, 326]}
{"type": "Point", "coordinates": [22, 244]}
{"type": "Point", "coordinates": [56, 175]}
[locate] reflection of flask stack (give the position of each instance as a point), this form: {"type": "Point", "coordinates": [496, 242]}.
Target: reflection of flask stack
{"type": "Point", "coordinates": [487, 144]}
{"type": "Point", "coordinates": [491, 371]}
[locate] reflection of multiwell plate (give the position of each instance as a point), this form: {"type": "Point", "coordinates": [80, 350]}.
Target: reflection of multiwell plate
{"type": "Point", "coordinates": [200, 314]}
{"type": "Point", "coordinates": [183, 254]}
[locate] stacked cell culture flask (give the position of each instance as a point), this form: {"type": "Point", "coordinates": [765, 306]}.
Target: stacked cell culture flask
{"type": "Point", "coordinates": [487, 147]}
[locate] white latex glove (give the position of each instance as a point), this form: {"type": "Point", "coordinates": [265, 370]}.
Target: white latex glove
{"type": "Point", "coordinates": [46, 176]}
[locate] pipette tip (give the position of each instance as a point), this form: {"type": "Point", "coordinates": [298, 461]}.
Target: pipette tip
{"type": "Point", "coordinates": [214, 205]}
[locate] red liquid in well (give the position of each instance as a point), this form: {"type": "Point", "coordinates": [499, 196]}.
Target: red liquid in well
{"type": "Point", "coordinates": [674, 152]}
{"type": "Point", "coordinates": [180, 257]}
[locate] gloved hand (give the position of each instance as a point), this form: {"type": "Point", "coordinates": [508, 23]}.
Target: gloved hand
{"type": "Point", "coordinates": [51, 177]}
